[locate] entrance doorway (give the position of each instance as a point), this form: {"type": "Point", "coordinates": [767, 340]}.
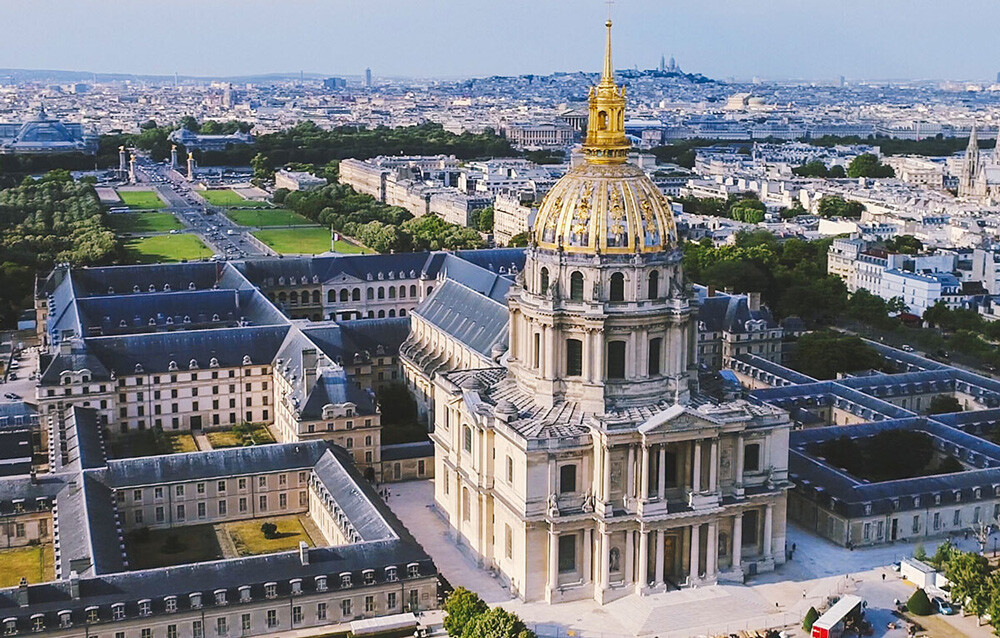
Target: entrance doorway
{"type": "Point", "coordinates": [196, 423]}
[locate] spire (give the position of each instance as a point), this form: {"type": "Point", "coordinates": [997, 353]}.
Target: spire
{"type": "Point", "coordinates": [608, 76]}
{"type": "Point", "coordinates": [973, 139]}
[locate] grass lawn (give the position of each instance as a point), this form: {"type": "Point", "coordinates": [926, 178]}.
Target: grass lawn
{"type": "Point", "coordinates": [34, 562]}
{"type": "Point", "coordinates": [145, 443]}
{"type": "Point", "coordinates": [144, 222]}
{"type": "Point", "coordinates": [250, 541]}
{"type": "Point", "coordinates": [154, 548]}
{"type": "Point", "coordinates": [341, 246]}
{"type": "Point", "coordinates": [148, 250]}
{"type": "Point", "coordinates": [269, 217]}
{"type": "Point", "coordinates": [230, 438]}
{"type": "Point", "coordinates": [229, 197]}
{"type": "Point", "coordinates": [306, 241]}
{"type": "Point", "coordinates": [141, 199]}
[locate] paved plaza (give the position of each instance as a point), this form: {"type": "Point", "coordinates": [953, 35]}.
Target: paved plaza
{"type": "Point", "coordinates": [819, 570]}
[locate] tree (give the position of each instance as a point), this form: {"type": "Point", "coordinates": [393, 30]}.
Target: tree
{"type": "Point", "coordinates": [461, 607]}
{"type": "Point", "coordinates": [824, 353]}
{"type": "Point", "coordinates": [837, 172]}
{"type": "Point", "coordinates": [868, 165]}
{"type": "Point", "coordinates": [942, 555]}
{"type": "Point", "coordinates": [905, 244]}
{"type": "Point", "coordinates": [519, 240]}
{"type": "Point", "coordinates": [815, 168]}
{"type": "Point", "coordinates": [496, 623]}
{"type": "Point", "coordinates": [269, 530]}
{"type": "Point", "coordinates": [837, 206]}
{"type": "Point", "coordinates": [944, 404]}
{"type": "Point", "coordinates": [968, 573]}
{"type": "Point", "coordinates": [919, 552]}
{"type": "Point", "coordinates": [811, 616]}
{"type": "Point", "coordinates": [263, 169]}
{"type": "Point", "coordinates": [919, 603]}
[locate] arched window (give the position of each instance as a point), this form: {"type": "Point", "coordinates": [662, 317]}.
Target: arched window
{"type": "Point", "coordinates": [574, 357]}
{"type": "Point", "coordinates": [331, 296]}
{"type": "Point", "coordinates": [413, 290]}
{"type": "Point", "coordinates": [576, 286]}
{"type": "Point", "coordinates": [282, 297]}
{"type": "Point", "coordinates": [293, 297]}
{"type": "Point", "coordinates": [381, 292]}
{"type": "Point", "coordinates": [617, 287]}
{"type": "Point", "coordinates": [602, 120]}
{"type": "Point", "coordinates": [371, 314]}
{"type": "Point", "coordinates": [616, 359]}
{"type": "Point", "coordinates": [392, 313]}
{"type": "Point", "coordinates": [371, 293]}
{"type": "Point", "coordinates": [654, 285]}
{"type": "Point", "coordinates": [402, 312]}
{"type": "Point", "coordinates": [543, 284]}
{"type": "Point", "coordinates": [356, 294]}
{"type": "Point", "coordinates": [392, 292]}
{"type": "Point", "coordinates": [402, 292]}
{"type": "Point", "coordinates": [343, 294]}
{"type": "Point", "coordinates": [315, 297]}
{"type": "Point", "coordinates": [653, 365]}
{"type": "Point", "coordinates": [381, 314]}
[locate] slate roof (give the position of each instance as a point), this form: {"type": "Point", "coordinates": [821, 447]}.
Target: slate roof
{"type": "Point", "coordinates": [403, 451]}
{"type": "Point", "coordinates": [475, 320]}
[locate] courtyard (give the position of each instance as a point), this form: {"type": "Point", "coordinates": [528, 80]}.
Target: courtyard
{"type": "Point", "coordinates": [305, 241]}
{"type": "Point", "coordinates": [34, 562]}
{"type": "Point", "coordinates": [182, 545]}
{"type": "Point", "coordinates": [150, 442]}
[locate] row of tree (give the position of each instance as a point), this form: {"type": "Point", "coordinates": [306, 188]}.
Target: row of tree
{"type": "Point", "coordinates": [864, 165]}
{"type": "Point", "coordinates": [44, 222]}
{"type": "Point", "coordinates": [975, 585]}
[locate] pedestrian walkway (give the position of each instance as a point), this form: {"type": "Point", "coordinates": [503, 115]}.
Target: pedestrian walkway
{"type": "Point", "coordinates": [201, 440]}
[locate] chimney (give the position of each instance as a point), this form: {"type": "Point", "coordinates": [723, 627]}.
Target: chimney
{"type": "Point", "coordinates": [74, 585]}
{"type": "Point", "coordinates": [711, 291]}
{"type": "Point", "coordinates": [66, 346]}
{"type": "Point", "coordinates": [304, 552]}
{"type": "Point", "coordinates": [309, 363]}
{"type": "Point", "coordinates": [753, 301]}
{"type": "Point", "coordinates": [21, 596]}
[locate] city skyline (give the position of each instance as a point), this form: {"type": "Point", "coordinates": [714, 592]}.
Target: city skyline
{"type": "Point", "coordinates": [720, 39]}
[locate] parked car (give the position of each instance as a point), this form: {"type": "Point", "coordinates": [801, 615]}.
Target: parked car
{"type": "Point", "coordinates": [906, 348]}
{"type": "Point", "coordinates": [942, 606]}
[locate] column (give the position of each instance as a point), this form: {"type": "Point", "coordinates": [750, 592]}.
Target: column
{"type": "Point", "coordinates": [739, 461]}
{"type": "Point", "coordinates": [712, 550]}
{"type": "Point", "coordinates": [661, 479]}
{"type": "Point", "coordinates": [553, 486]}
{"type": "Point", "coordinates": [547, 349]}
{"type": "Point", "coordinates": [660, 550]}
{"type": "Point", "coordinates": [737, 540]}
{"type": "Point", "coordinates": [643, 577]}
{"type": "Point", "coordinates": [713, 468]}
{"type": "Point", "coordinates": [606, 470]}
{"type": "Point", "coordinates": [605, 560]}
{"type": "Point", "coordinates": [588, 554]}
{"type": "Point", "coordinates": [644, 474]}
{"type": "Point", "coordinates": [630, 473]}
{"type": "Point", "coordinates": [695, 551]}
{"type": "Point", "coordinates": [553, 560]}
{"type": "Point", "coordinates": [597, 481]}
{"type": "Point", "coordinates": [768, 529]}
{"type": "Point", "coordinates": [629, 557]}
{"type": "Point", "coordinates": [696, 469]}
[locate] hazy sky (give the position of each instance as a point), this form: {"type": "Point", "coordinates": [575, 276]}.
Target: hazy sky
{"type": "Point", "coordinates": [721, 38]}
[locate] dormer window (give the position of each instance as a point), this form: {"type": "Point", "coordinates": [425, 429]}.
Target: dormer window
{"type": "Point", "coordinates": [10, 627]}
{"type": "Point", "coordinates": [345, 580]}
{"type": "Point", "coordinates": [172, 365]}
{"type": "Point", "coordinates": [213, 362]}
{"type": "Point", "coordinates": [369, 575]}
{"type": "Point", "coordinates": [93, 614]}
{"type": "Point", "coordinates": [38, 622]}
{"type": "Point", "coordinates": [65, 619]}
{"type": "Point", "coordinates": [246, 360]}
{"type": "Point", "coordinates": [245, 594]}
{"type": "Point", "coordinates": [271, 590]}
{"type": "Point", "coordinates": [170, 603]}
{"type": "Point", "coordinates": [195, 599]}
{"type": "Point", "coordinates": [138, 368]}
{"type": "Point", "coordinates": [320, 583]}
{"type": "Point", "coordinates": [118, 611]}
{"type": "Point", "coordinates": [413, 570]}
{"type": "Point", "coordinates": [391, 575]}
{"type": "Point", "coordinates": [296, 584]}
{"type": "Point", "coordinates": [145, 608]}
{"type": "Point", "coordinates": [193, 364]}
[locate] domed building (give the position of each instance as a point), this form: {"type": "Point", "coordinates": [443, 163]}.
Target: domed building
{"type": "Point", "coordinates": [578, 460]}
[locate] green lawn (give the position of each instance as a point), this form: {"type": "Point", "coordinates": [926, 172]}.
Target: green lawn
{"type": "Point", "coordinates": [260, 435]}
{"type": "Point", "coordinates": [306, 241]}
{"type": "Point", "coordinates": [269, 217]}
{"type": "Point", "coordinates": [250, 541]}
{"type": "Point", "coordinates": [146, 443]}
{"type": "Point", "coordinates": [144, 222]}
{"type": "Point", "coordinates": [34, 562]}
{"type": "Point", "coordinates": [141, 199]}
{"type": "Point", "coordinates": [159, 248]}
{"type": "Point", "coordinates": [152, 548]}
{"type": "Point", "coordinates": [228, 197]}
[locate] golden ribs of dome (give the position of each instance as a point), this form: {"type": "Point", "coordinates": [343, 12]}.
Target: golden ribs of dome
{"type": "Point", "coordinates": [605, 205]}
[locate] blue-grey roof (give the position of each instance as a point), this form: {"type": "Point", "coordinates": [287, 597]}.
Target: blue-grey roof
{"type": "Point", "coordinates": [477, 321]}
{"type": "Point", "coordinates": [403, 451]}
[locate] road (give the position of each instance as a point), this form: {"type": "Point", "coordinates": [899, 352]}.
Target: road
{"type": "Point", "coordinates": [226, 239]}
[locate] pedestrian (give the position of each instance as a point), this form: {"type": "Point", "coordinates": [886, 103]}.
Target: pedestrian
{"type": "Point", "coordinates": [883, 575]}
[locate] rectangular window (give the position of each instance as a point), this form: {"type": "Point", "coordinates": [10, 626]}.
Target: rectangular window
{"type": "Point", "coordinates": [653, 366]}
{"type": "Point", "coordinates": [197, 629]}
{"type": "Point", "coordinates": [750, 527]}
{"type": "Point", "coordinates": [180, 512]}
{"type": "Point", "coordinates": [467, 438]}
{"type": "Point", "coordinates": [567, 479]}
{"type": "Point", "coordinates": [937, 520]}
{"type": "Point", "coordinates": [751, 457]}
{"type": "Point", "coordinates": [508, 541]}
{"type": "Point", "coordinates": [916, 524]}
{"type": "Point", "coordinates": [171, 631]}
{"type": "Point", "coordinates": [345, 607]}
{"type": "Point", "coordinates": [221, 626]}
{"type": "Point", "coordinates": [245, 624]}
{"type": "Point", "coordinates": [321, 611]}
{"type": "Point", "coordinates": [243, 505]}
{"type": "Point", "coordinates": [282, 500]}
{"type": "Point", "coordinates": [297, 614]}
{"type": "Point", "coordinates": [262, 503]}
{"type": "Point", "coordinates": [202, 510]}
{"type": "Point", "coordinates": [369, 604]}
{"type": "Point", "coordinates": [567, 553]}
{"type": "Point", "coordinates": [574, 357]}
{"type": "Point", "coordinates": [616, 359]}
{"type": "Point", "coordinates": [957, 520]}
{"type": "Point", "coordinates": [272, 618]}
{"type": "Point", "coordinates": [391, 600]}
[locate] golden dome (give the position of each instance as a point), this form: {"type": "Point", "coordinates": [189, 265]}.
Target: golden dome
{"type": "Point", "coordinates": [605, 205]}
{"type": "Point", "coordinates": [608, 208]}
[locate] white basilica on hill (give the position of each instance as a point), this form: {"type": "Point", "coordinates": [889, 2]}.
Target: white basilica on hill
{"type": "Point", "coordinates": [580, 461]}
